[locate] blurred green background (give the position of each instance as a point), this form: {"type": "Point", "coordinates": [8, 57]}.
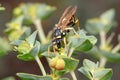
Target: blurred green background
{"type": "Point", "coordinates": [10, 65]}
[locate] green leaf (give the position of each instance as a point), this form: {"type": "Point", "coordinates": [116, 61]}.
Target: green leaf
{"type": "Point", "coordinates": [89, 65]}
{"type": "Point", "coordinates": [85, 46]}
{"type": "Point", "coordinates": [27, 32]}
{"type": "Point", "coordinates": [33, 11]}
{"type": "Point", "coordinates": [46, 54]}
{"type": "Point", "coordinates": [24, 47]}
{"type": "Point", "coordinates": [84, 71]}
{"type": "Point", "coordinates": [44, 11]}
{"type": "Point", "coordinates": [71, 64]}
{"type": "Point", "coordinates": [4, 46]}
{"type": "Point", "coordinates": [1, 8]}
{"type": "Point", "coordinates": [25, 57]}
{"type": "Point", "coordinates": [16, 42]}
{"type": "Point", "coordinates": [108, 15]}
{"type": "Point", "coordinates": [15, 24]}
{"type": "Point", "coordinates": [111, 57]}
{"type": "Point", "coordinates": [103, 74]}
{"type": "Point", "coordinates": [93, 72]}
{"type": "Point", "coordinates": [60, 72]}
{"type": "Point", "coordinates": [86, 42]}
{"type": "Point", "coordinates": [44, 47]}
{"type": "Point", "coordinates": [102, 23]}
{"type": "Point", "coordinates": [28, 53]}
{"type": "Point", "coordinates": [35, 51]}
{"type": "Point", "coordinates": [64, 79]}
{"type": "Point", "coordinates": [26, 76]}
{"type": "Point", "coordinates": [9, 78]}
{"type": "Point", "coordinates": [31, 38]}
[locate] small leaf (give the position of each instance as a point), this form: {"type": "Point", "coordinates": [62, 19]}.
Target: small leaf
{"type": "Point", "coordinates": [1, 8]}
{"type": "Point", "coordinates": [44, 47]}
{"type": "Point", "coordinates": [27, 32]}
{"type": "Point", "coordinates": [15, 24]}
{"type": "Point", "coordinates": [109, 56]}
{"type": "Point", "coordinates": [93, 72]}
{"type": "Point", "coordinates": [103, 23]}
{"type": "Point", "coordinates": [9, 78]}
{"type": "Point", "coordinates": [24, 47]}
{"type": "Point", "coordinates": [34, 11]}
{"type": "Point", "coordinates": [34, 52]}
{"type": "Point", "coordinates": [71, 64]}
{"type": "Point", "coordinates": [26, 76]}
{"type": "Point", "coordinates": [4, 46]}
{"type": "Point", "coordinates": [89, 65]}
{"type": "Point", "coordinates": [16, 42]}
{"type": "Point", "coordinates": [25, 57]}
{"type": "Point", "coordinates": [46, 54]}
{"type": "Point", "coordinates": [44, 11]}
{"type": "Point", "coordinates": [85, 46]}
{"type": "Point", "coordinates": [85, 42]}
{"type": "Point", "coordinates": [108, 15]}
{"type": "Point", "coordinates": [84, 71]}
{"type": "Point", "coordinates": [103, 74]}
{"type": "Point", "coordinates": [31, 38]}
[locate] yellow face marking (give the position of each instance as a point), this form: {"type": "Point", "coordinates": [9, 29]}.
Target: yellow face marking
{"type": "Point", "coordinates": [58, 37]}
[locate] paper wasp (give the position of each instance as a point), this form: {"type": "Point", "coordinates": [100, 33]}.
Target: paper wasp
{"type": "Point", "coordinates": [65, 24]}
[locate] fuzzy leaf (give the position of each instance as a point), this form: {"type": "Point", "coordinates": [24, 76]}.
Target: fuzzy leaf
{"type": "Point", "coordinates": [111, 57]}
{"type": "Point", "coordinates": [26, 76]}
{"type": "Point", "coordinates": [103, 74]}
{"type": "Point", "coordinates": [85, 42]}
{"type": "Point", "coordinates": [9, 78]}
{"type": "Point", "coordinates": [32, 11]}
{"type": "Point", "coordinates": [102, 23]}
{"type": "Point", "coordinates": [4, 46]}
{"type": "Point", "coordinates": [71, 64]}
{"type": "Point", "coordinates": [31, 38]}
{"type": "Point", "coordinates": [35, 51]}
{"type": "Point", "coordinates": [93, 72]}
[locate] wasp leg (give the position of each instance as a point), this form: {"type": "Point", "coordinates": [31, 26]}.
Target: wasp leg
{"type": "Point", "coordinates": [54, 50]}
{"type": "Point", "coordinates": [65, 42]}
{"type": "Point", "coordinates": [77, 24]}
{"type": "Point", "coordinates": [73, 31]}
{"type": "Point", "coordinates": [48, 50]}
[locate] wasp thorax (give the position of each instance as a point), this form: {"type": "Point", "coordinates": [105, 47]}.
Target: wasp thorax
{"type": "Point", "coordinates": [57, 32]}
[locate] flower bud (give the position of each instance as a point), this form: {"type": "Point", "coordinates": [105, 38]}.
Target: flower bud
{"type": "Point", "coordinates": [60, 65]}
{"type": "Point", "coordinates": [53, 62]}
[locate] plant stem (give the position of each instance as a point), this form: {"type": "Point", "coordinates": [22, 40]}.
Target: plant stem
{"type": "Point", "coordinates": [40, 65]}
{"type": "Point", "coordinates": [102, 62]}
{"type": "Point", "coordinates": [42, 38]}
{"type": "Point", "coordinates": [70, 52]}
{"type": "Point", "coordinates": [73, 75]}
{"type": "Point", "coordinates": [103, 38]}
{"type": "Point", "coordinates": [116, 48]}
{"type": "Point", "coordinates": [38, 26]}
{"type": "Point", "coordinates": [102, 45]}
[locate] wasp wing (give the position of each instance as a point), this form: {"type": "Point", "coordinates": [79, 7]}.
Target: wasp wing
{"type": "Point", "coordinates": [67, 18]}
{"type": "Point", "coordinates": [63, 15]}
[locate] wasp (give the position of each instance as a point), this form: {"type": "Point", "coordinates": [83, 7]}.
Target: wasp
{"type": "Point", "coordinates": [65, 24]}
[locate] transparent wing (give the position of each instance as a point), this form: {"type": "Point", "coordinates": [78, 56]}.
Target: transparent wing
{"type": "Point", "coordinates": [66, 19]}
{"type": "Point", "coordinates": [63, 15]}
